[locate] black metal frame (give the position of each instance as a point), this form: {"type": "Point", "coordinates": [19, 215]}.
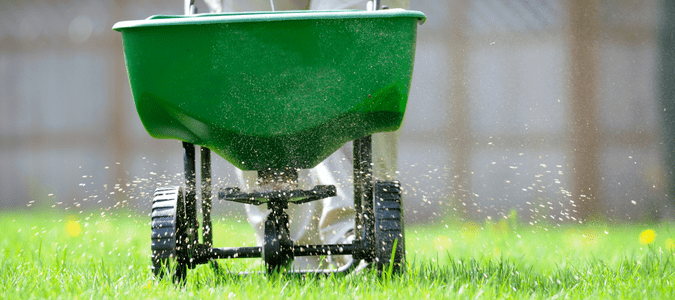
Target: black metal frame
{"type": "Point", "coordinates": [278, 249]}
{"type": "Point", "coordinates": [363, 198]}
{"type": "Point", "coordinates": [291, 196]}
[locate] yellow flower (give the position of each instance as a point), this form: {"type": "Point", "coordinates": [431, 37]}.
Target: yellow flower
{"type": "Point", "coordinates": [670, 244]}
{"type": "Point", "coordinates": [647, 237]}
{"type": "Point", "coordinates": [73, 227]}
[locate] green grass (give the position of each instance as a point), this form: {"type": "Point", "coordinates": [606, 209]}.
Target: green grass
{"type": "Point", "coordinates": [109, 258]}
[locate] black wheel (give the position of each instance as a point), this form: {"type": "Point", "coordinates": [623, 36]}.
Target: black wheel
{"type": "Point", "coordinates": [389, 233]}
{"type": "Point", "coordinates": [277, 249]}
{"type": "Point", "coordinates": [169, 233]}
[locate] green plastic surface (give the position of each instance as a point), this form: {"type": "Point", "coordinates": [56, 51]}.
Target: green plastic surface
{"type": "Point", "coordinates": [271, 90]}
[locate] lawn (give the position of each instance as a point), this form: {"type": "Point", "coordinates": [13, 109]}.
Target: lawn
{"type": "Point", "coordinates": [105, 254]}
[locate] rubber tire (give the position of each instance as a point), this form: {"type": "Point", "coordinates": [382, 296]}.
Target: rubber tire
{"type": "Point", "coordinates": [389, 226]}
{"type": "Point", "coordinates": [169, 231]}
{"type": "Point", "coordinates": [277, 250]}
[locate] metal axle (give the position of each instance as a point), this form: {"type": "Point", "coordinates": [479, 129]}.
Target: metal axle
{"type": "Point", "coordinates": [256, 252]}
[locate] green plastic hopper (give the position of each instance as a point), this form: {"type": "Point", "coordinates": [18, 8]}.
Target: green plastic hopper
{"type": "Point", "coordinates": [271, 90]}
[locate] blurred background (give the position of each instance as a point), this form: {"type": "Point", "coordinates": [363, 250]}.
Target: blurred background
{"type": "Point", "coordinates": [561, 111]}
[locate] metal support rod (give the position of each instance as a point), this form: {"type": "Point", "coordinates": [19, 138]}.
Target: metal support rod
{"type": "Point", "coordinates": [316, 250]}
{"type": "Point", "coordinates": [373, 5]}
{"type": "Point", "coordinates": [346, 269]}
{"type": "Point", "coordinates": [189, 7]}
{"type": "Point", "coordinates": [363, 191]}
{"type": "Point", "coordinates": [234, 252]}
{"type": "Point", "coordinates": [298, 250]}
{"type": "Point", "coordinates": [376, 4]}
{"type": "Point", "coordinates": [190, 190]}
{"type": "Point", "coordinates": [358, 188]}
{"type": "Point", "coordinates": [207, 233]}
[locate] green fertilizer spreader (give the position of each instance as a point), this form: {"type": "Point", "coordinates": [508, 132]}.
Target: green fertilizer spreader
{"type": "Point", "coordinates": [273, 92]}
